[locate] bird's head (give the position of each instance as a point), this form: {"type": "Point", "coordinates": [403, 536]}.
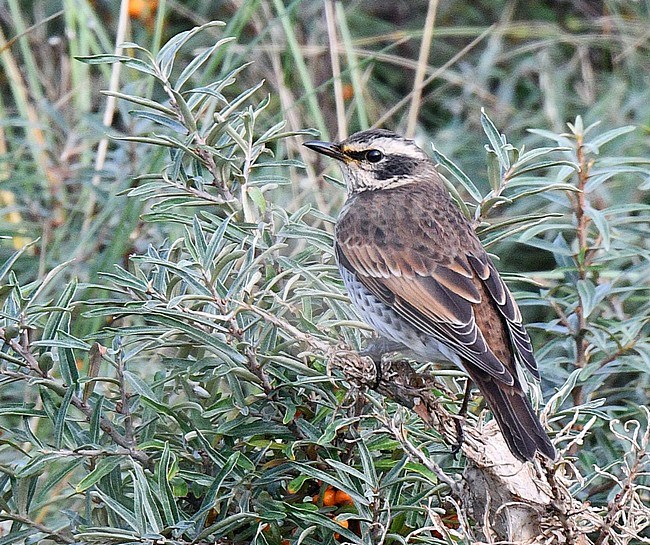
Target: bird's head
{"type": "Point", "coordinates": [377, 159]}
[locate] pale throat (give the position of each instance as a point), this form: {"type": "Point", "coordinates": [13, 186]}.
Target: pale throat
{"type": "Point", "coordinates": [358, 182]}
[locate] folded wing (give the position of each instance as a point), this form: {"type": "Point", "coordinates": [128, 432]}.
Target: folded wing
{"type": "Point", "coordinates": [443, 299]}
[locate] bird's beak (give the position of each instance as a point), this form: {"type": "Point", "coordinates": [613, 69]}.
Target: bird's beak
{"type": "Point", "coordinates": [326, 148]}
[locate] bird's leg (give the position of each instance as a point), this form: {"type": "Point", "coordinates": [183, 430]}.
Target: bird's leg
{"type": "Point", "coordinates": [376, 348]}
{"type": "Point", "coordinates": [460, 434]}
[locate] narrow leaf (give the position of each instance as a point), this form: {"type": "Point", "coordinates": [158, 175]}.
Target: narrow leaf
{"type": "Point", "coordinates": [60, 422]}
{"type": "Point", "coordinates": [497, 140]}
{"type": "Point", "coordinates": [457, 173]}
{"type": "Point", "coordinates": [103, 467]}
{"type": "Point", "coordinates": [161, 119]}
{"type": "Point", "coordinates": [198, 61]}
{"type": "Point", "coordinates": [608, 136]}
{"type": "Point", "coordinates": [140, 101]}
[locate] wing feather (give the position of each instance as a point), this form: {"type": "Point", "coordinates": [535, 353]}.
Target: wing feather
{"type": "Point", "coordinates": [439, 300]}
{"type": "Point", "coordinates": [457, 283]}
{"type": "Point", "coordinates": [428, 306]}
{"type": "Point", "coordinates": [508, 308]}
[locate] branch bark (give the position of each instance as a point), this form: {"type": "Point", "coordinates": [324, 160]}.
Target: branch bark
{"type": "Point", "coordinates": [507, 499]}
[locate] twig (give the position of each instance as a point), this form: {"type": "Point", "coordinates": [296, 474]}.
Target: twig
{"type": "Point", "coordinates": [123, 407]}
{"type": "Point", "coordinates": [330, 19]}
{"type": "Point", "coordinates": [204, 195]}
{"type": "Point", "coordinates": [423, 59]}
{"type": "Point", "coordinates": [417, 455]}
{"type": "Point", "coordinates": [201, 144]}
{"type": "Point", "coordinates": [582, 259]}
{"type": "Point", "coordinates": [562, 502]}
{"type": "Point", "coordinates": [624, 497]}
{"type": "Point", "coordinates": [212, 166]}
{"type": "Point", "coordinates": [44, 380]}
{"type": "Point", "coordinates": [236, 332]}
{"type": "Point", "coordinates": [53, 534]}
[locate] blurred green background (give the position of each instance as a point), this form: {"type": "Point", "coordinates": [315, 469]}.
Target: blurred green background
{"type": "Point", "coordinates": [530, 64]}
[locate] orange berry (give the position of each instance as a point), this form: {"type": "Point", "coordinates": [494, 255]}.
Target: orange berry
{"type": "Point", "coordinates": [343, 498]}
{"type": "Point", "coordinates": [348, 91]}
{"type": "Point", "coordinates": [344, 524]}
{"type": "Point", "coordinates": [329, 497]}
{"type": "Point", "coordinates": [142, 9]}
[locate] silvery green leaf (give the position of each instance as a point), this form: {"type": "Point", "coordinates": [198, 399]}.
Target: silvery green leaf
{"type": "Point", "coordinates": [497, 140]}
{"type": "Point", "coordinates": [141, 102]}
{"type": "Point", "coordinates": [458, 174]}
{"type": "Point", "coordinates": [562, 139]}
{"type": "Point", "coordinates": [167, 54]}
{"type": "Point", "coordinates": [601, 223]}
{"type": "Point", "coordinates": [161, 119]}
{"type": "Point", "coordinates": [608, 136]}
{"type": "Point", "coordinates": [493, 170]}
{"type": "Point", "coordinates": [198, 61]}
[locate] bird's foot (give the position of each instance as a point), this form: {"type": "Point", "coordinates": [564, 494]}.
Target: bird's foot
{"type": "Point", "coordinates": [375, 349]}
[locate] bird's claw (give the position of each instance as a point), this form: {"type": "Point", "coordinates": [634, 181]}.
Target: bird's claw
{"type": "Point", "coordinates": [375, 349]}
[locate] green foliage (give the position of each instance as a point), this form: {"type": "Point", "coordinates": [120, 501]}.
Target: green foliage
{"type": "Point", "coordinates": [182, 395]}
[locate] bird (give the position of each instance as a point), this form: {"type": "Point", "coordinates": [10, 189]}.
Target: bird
{"type": "Point", "coordinates": [418, 274]}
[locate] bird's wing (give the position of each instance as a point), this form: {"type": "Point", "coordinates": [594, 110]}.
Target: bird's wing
{"type": "Point", "coordinates": [505, 302]}
{"type": "Point", "coordinates": [441, 300]}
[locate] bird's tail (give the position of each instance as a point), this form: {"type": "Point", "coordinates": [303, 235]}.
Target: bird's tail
{"type": "Point", "coordinates": [518, 422]}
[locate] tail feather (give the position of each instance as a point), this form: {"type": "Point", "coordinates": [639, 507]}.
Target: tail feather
{"type": "Point", "coordinates": [517, 421]}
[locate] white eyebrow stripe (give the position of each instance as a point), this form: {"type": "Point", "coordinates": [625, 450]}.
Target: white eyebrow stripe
{"type": "Point", "coordinates": [388, 146]}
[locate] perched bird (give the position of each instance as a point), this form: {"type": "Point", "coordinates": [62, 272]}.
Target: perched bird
{"type": "Point", "coordinates": [417, 273]}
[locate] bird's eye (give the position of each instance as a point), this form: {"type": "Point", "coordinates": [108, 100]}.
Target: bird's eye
{"type": "Point", "coordinates": [374, 155]}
